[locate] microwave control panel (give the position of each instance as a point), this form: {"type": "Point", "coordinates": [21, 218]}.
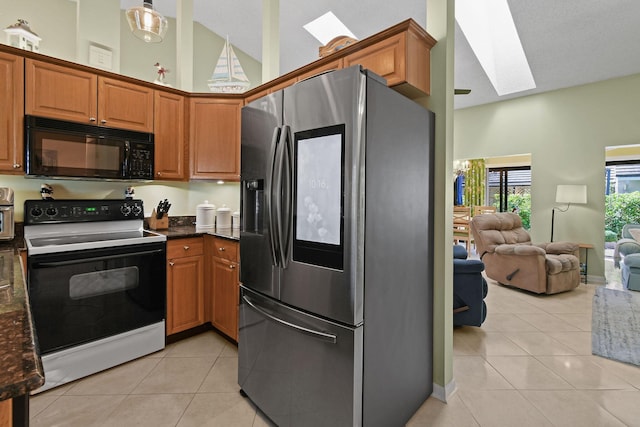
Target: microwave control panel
{"type": "Point", "coordinates": [141, 161]}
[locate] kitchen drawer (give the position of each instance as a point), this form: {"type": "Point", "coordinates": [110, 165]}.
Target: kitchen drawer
{"type": "Point", "coordinates": [180, 248]}
{"type": "Point", "coordinates": [225, 249]}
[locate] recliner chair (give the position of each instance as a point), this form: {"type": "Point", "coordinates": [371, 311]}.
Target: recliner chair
{"type": "Point", "coordinates": [469, 289]}
{"type": "Point", "coordinates": [511, 259]}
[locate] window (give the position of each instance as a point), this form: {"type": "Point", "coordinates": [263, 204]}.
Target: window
{"type": "Point", "coordinates": [509, 189]}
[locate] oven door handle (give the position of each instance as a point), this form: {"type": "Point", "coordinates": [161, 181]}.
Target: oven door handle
{"type": "Point", "coordinates": [100, 258]}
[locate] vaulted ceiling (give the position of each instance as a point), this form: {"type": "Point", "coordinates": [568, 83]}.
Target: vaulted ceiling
{"type": "Point", "coordinates": [567, 42]}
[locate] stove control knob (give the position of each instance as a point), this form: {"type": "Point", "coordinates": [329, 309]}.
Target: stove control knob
{"type": "Point", "coordinates": [125, 210]}
{"type": "Point", "coordinates": [52, 211]}
{"type": "Point", "coordinates": [36, 212]}
{"type": "Point", "coordinates": [136, 210]}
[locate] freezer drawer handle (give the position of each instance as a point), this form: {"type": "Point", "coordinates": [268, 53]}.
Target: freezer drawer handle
{"type": "Point", "coordinates": [322, 335]}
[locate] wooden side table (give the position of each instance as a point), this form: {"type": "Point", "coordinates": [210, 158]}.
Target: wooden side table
{"type": "Point", "coordinates": [584, 267]}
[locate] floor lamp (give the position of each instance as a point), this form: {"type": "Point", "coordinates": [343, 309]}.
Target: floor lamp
{"type": "Point", "coordinates": [568, 194]}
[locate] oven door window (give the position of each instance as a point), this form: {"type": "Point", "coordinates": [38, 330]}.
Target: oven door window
{"type": "Point", "coordinates": [78, 297]}
{"type": "Point", "coordinates": [97, 283]}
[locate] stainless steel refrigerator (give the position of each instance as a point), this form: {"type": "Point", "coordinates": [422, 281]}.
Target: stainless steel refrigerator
{"type": "Point", "coordinates": [336, 254]}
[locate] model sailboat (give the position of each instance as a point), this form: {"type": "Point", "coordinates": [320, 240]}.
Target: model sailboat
{"type": "Point", "coordinates": [228, 76]}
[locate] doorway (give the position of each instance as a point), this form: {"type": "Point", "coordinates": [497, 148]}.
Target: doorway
{"type": "Point", "coordinates": [506, 184]}
{"type": "Point", "coordinates": [622, 202]}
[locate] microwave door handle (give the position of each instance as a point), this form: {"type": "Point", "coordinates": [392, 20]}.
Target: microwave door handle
{"type": "Point", "coordinates": [270, 190]}
{"type": "Point", "coordinates": [125, 161]}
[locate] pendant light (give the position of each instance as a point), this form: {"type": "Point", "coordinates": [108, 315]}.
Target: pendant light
{"type": "Point", "coordinates": [146, 23]}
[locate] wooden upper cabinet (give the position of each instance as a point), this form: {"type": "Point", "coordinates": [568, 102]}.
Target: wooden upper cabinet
{"type": "Point", "coordinates": [65, 93]}
{"type": "Point", "coordinates": [401, 54]}
{"type": "Point", "coordinates": [125, 105]}
{"type": "Point", "coordinates": [403, 59]}
{"type": "Point", "coordinates": [170, 147]}
{"type": "Point", "coordinates": [214, 138]}
{"type": "Point", "coordinates": [11, 113]}
{"type": "Point", "coordinates": [329, 66]}
{"type": "Point", "coordinates": [60, 92]}
{"type": "Point", "coordinates": [385, 58]}
{"type": "Point", "coordinates": [255, 96]}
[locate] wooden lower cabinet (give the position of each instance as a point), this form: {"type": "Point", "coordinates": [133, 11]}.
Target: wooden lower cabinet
{"type": "Point", "coordinates": [225, 297]}
{"type": "Point", "coordinates": [185, 284]}
{"type": "Point", "coordinates": [5, 413]}
{"type": "Point", "coordinates": [222, 284]}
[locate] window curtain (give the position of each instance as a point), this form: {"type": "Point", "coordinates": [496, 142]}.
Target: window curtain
{"type": "Point", "coordinates": [475, 183]}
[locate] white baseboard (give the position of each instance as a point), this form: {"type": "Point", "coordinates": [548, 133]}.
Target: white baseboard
{"type": "Point", "coordinates": [443, 393]}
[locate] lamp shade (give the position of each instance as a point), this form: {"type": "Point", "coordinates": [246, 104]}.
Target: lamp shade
{"type": "Point", "coordinates": [571, 194]}
{"type": "Point", "coordinates": [146, 23]}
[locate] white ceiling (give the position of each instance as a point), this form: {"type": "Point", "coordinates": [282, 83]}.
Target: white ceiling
{"type": "Point", "coordinates": [567, 42]}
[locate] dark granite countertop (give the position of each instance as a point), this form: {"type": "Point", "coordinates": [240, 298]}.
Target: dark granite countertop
{"type": "Point", "coordinates": [183, 227]}
{"type": "Point", "coordinates": [20, 364]}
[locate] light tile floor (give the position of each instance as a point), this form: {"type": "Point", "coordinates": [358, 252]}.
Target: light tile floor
{"type": "Point", "coordinates": [529, 364]}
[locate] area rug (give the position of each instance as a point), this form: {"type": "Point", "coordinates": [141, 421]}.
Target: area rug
{"type": "Point", "coordinates": [615, 325]}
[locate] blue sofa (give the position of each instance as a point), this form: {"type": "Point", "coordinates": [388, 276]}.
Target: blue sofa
{"type": "Point", "coordinates": [469, 289]}
{"type": "Point", "coordinates": [627, 256]}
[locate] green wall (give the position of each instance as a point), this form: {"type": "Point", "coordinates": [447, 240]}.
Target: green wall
{"type": "Point", "coordinates": [440, 24]}
{"type": "Point", "coordinates": [58, 35]}
{"type": "Point", "coordinates": [103, 23]}
{"type": "Point", "coordinates": [566, 132]}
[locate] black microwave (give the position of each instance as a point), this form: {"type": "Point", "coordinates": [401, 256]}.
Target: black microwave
{"type": "Point", "coordinates": [57, 148]}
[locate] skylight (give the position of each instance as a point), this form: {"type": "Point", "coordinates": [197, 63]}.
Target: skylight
{"type": "Point", "coordinates": [327, 27]}
{"type": "Point", "coordinates": [491, 32]}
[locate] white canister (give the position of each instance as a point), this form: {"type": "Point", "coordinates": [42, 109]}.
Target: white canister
{"type": "Point", "coordinates": [205, 215]}
{"type": "Point", "coordinates": [223, 218]}
{"type": "Point", "coordinates": [235, 220]}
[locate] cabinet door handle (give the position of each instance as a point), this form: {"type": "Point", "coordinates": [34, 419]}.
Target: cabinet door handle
{"type": "Point", "coordinates": [16, 166]}
{"type": "Point", "coordinates": [221, 249]}
{"type": "Point", "coordinates": [159, 173]}
{"type": "Point", "coordinates": [92, 119]}
{"type": "Point", "coordinates": [171, 263]}
{"type": "Point", "coordinates": [103, 121]}
{"type": "Point", "coordinates": [231, 266]}
{"type": "Point", "coordinates": [186, 248]}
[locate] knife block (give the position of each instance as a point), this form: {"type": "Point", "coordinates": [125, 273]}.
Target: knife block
{"type": "Point", "coordinates": [158, 224]}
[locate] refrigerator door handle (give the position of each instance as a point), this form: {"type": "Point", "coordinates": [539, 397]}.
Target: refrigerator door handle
{"type": "Point", "coordinates": [331, 338]}
{"type": "Point", "coordinates": [287, 193]}
{"type": "Point", "coordinates": [271, 191]}
{"type": "Point", "coordinates": [277, 191]}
